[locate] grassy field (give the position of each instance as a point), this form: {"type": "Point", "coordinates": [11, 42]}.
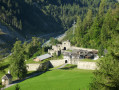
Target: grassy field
{"type": "Point", "coordinates": [89, 60]}
{"type": "Point", "coordinates": [58, 80]}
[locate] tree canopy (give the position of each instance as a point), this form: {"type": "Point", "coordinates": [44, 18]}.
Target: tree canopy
{"type": "Point", "coordinates": [17, 62]}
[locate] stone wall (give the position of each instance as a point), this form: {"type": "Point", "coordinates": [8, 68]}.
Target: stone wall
{"type": "Point", "coordinates": [86, 65]}
{"type": "Point", "coordinates": [46, 65]}
{"type": "Point", "coordinates": [73, 47]}
{"type": "Point", "coordinates": [55, 63]}
{"type": "Point", "coordinates": [37, 67]}
{"type": "Point", "coordinates": [73, 61]}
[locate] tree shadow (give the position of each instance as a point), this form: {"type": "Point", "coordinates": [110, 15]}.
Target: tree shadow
{"type": "Point", "coordinates": [69, 67]}
{"type": "Point", "coordinates": [30, 75]}
{"type": "Point", "coordinates": [4, 66]}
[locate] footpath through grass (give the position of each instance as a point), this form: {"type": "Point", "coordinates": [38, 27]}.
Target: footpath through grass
{"type": "Point", "coordinates": [58, 80]}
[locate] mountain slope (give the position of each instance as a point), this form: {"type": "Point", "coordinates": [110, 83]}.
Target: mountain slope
{"type": "Point", "coordinates": [27, 18]}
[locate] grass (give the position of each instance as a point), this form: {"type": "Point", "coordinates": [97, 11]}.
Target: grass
{"type": "Point", "coordinates": [89, 60]}
{"type": "Point", "coordinates": [69, 66]}
{"type": "Point", "coordinates": [55, 67]}
{"type": "Point", "coordinates": [58, 80]}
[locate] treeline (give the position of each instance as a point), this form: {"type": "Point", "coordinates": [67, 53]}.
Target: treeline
{"type": "Point", "coordinates": [10, 13]}
{"type": "Point", "coordinates": [37, 17]}
{"type": "Point", "coordinates": [33, 16]}
{"type": "Point", "coordinates": [95, 32]}
{"type": "Point", "coordinates": [107, 76]}
{"type": "Point", "coordinates": [23, 16]}
{"type": "Point", "coordinates": [68, 10]}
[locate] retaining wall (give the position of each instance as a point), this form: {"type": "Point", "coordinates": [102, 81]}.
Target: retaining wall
{"type": "Point", "coordinates": [46, 65]}
{"type": "Point", "coordinates": [37, 67]}
{"type": "Point", "coordinates": [88, 49]}
{"type": "Point", "coordinates": [87, 65]}
{"type": "Point", "coordinates": [55, 63]}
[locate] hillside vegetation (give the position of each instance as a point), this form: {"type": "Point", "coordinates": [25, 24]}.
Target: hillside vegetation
{"type": "Point", "coordinates": [96, 32]}
{"type": "Point", "coordinates": [39, 16]}
{"type": "Point", "coordinates": [97, 26]}
{"type": "Point", "coordinates": [100, 32]}
{"type": "Point", "coordinates": [27, 18]}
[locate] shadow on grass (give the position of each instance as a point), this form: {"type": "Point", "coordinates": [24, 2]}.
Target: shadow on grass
{"type": "Point", "coordinates": [4, 66]}
{"type": "Point", "coordinates": [69, 67]}
{"type": "Point", "coordinates": [29, 75]}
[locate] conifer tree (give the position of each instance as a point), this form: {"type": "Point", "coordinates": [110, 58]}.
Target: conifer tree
{"type": "Point", "coordinates": [17, 62]}
{"type": "Point", "coordinates": [106, 77]}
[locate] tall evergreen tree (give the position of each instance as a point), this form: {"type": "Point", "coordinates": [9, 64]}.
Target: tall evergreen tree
{"type": "Point", "coordinates": [17, 62]}
{"type": "Point", "coordinates": [107, 75]}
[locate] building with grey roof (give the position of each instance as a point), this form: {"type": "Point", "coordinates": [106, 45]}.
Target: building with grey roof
{"type": "Point", "coordinates": [42, 57]}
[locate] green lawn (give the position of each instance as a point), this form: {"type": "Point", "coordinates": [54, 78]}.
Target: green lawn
{"type": "Point", "coordinates": [58, 80]}
{"type": "Point", "coordinates": [89, 60]}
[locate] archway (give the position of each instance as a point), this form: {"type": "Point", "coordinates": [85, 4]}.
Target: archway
{"type": "Point", "coordinates": [66, 61]}
{"type": "Point", "coordinates": [64, 48]}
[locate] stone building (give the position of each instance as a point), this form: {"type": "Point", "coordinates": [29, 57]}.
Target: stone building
{"type": "Point", "coordinates": [65, 45]}
{"type": "Point", "coordinates": [6, 79]}
{"type": "Point", "coordinates": [42, 57]}
{"type": "Point", "coordinates": [59, 48]}
{"type": "Point", "coordinates": [76, 55]}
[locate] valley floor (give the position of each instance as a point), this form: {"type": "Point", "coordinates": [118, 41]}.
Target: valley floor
{"type": "Point", "coordinates": [74, 79]}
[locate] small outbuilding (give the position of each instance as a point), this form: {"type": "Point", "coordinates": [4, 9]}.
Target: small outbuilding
{"type": "Point", "coordinates": [42, 57]}
{"type": "Point", "coordinates": [6, 79]}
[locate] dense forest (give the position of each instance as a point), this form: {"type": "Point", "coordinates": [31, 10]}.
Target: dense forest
{"type": "Point", "coordinates": [32, 16]}
{"type": "Point", "coordinates": [27, 18]}
{"type": "Point", "coordinates": [95, 32]}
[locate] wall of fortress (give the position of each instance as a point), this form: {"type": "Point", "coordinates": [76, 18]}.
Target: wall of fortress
{"type": "Point", "coordinates": [55, 63]}
{"type": "Point", "coordinates": [37, 67]}
{"type": "Point", "coordinates": [87, 65]}
{"type": "Point", "coordinates": [73, 47]}
{"type": "Point", "coordinates": [46, 65]}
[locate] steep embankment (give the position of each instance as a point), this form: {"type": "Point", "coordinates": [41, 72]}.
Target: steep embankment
{"type": "Point", "coordinates": [7, 38]}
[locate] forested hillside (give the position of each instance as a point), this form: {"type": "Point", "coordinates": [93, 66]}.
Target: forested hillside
{"type": "Point", "coordinates": [31, 16]}
{"type": "Point", "coordinates": [27, 18]}
{"type": "Point", "coordinates": [100, 32]}
{"type": "Point", "coordinates": [95, 32]}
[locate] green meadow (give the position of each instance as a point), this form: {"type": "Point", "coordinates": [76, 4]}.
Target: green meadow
{"type": "Point", "coordinates": [58, 80]}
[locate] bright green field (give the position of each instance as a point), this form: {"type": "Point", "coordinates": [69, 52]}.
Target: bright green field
{"type": "Point", "coordinates": [58, 80]}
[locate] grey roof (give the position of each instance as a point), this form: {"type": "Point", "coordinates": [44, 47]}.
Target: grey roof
{"type": "Point", "coordinates": [45, 56]}
{"type": "Point", "coordinates": [7, 76]}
